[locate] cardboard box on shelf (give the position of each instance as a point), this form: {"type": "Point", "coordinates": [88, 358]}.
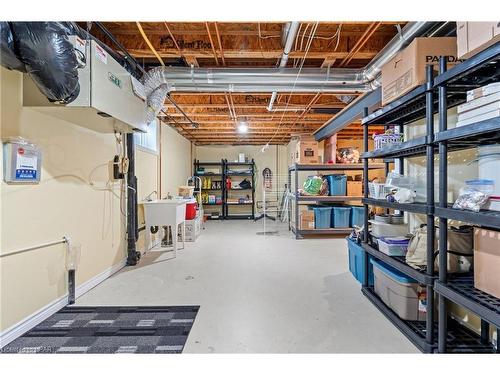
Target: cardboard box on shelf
{"type": "Point", "coordinates": [406, 70]}
{"type": "Point", "coordinates": [487, 261]}
{"type": "Point", "coordinates": [355, 188]}
{"type": "Point", "coordinates": [307, 152]}
{"type": "Point", "coordinates": [306, 219]}
{"type": "Point", "coordinates": [473, 37]}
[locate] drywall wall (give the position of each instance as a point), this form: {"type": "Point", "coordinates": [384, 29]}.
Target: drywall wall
{"type": "Point", "coordinates": [176, 160]}
{"type": "Point", "coordinates": [275, 158]}
{"type": "Point", "coordinates": [75, 198]}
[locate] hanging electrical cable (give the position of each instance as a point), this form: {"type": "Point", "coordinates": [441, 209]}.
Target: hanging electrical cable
{"type": "Point", "coordinates": [308, 46]}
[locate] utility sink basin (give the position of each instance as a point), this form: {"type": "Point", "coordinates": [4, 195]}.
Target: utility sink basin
{"type": "Point", "coordinates": [164, 211]}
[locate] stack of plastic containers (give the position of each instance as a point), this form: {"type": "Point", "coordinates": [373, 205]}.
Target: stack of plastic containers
{"type": "Point", "coordinates": [341, 217]}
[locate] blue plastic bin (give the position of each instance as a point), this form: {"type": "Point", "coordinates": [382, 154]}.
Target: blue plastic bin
{"type": "Point", "coordinates": [341, 217]}
{"type": "Point", "coordinates": [337, 184]}
{"type": "Point", "coordinates": [357, 262]}
{"type": "Point", "coordinates": [357, 216]}
{"type": "Point", "coordinates": [322, 217]}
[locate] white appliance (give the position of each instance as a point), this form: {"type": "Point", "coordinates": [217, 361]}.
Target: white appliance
{"type": "Point", "coordinates": [110, 98]}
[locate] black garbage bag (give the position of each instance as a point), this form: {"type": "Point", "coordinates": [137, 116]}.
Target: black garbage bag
{"type": "Point", "coordinates": [49, 57]}
{"type": "Point", "coordinates": [8, 58]}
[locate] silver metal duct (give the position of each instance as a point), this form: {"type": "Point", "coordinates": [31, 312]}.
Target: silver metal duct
{"type": "Point", "coordinates": [160, 81]}
{"type": "Point", "coordinates": [292, 29]}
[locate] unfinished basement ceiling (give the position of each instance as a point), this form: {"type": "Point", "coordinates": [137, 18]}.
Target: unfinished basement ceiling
{"type": "Point", "coordinates": [221, 44]}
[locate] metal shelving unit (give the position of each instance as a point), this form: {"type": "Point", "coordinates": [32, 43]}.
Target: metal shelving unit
{"type": "Point", "coordinates": [220, 176]}
{"type": "Point", "coordinates": [479, 70]}
{"type": "Point", "coordinates": [445, 334]}
{"type": "Point", "coordinates": [227, 165]}
{"type": "Point", "coordinates": [293, 213]}
{"type": "Point", "coordinates": [415, 105]}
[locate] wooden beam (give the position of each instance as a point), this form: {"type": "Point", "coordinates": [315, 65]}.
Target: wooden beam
{"type": "Point", "coordinates": [211, 44]}
{"type": "Point", "coordinates": [360, 43]}
{"type": "Point", "coordinates": [248, 54]}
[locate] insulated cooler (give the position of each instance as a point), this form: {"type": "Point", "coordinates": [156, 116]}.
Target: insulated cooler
{"type": "Point", "coordinates": [398, 291]}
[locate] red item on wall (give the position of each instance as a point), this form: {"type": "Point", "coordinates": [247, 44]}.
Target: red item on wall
{"type": "Point", "coordinates": [228, 183]}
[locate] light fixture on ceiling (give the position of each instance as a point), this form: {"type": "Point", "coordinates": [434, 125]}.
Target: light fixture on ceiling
{"type": "Point", "coordinates": [242, 127]}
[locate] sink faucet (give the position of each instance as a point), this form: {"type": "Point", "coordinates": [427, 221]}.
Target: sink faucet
{"type": "Point", "coordinates": [148, 197]}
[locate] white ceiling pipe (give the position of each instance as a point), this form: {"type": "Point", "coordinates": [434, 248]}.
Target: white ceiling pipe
{"type": "Point", "coordinates": [293, 28]}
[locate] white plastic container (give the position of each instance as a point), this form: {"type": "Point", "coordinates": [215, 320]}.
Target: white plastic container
{"type": "Point", "coordinates": [393, 246]}
{"type": "Point", "coordinates": [380, 229]}
{"type": "Point", "coordinates": [488, 167]}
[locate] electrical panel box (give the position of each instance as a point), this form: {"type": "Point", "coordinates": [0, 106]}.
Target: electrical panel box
{"type": "Point", "coordinates": [22, 162]}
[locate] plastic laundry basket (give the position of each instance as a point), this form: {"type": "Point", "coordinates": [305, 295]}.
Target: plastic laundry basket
{"type": "Point", "coordinates": [322, 217]}
{"type": "Point", "coordinates": [341, 217]}
{"type": "Point", "coordinates": [337, 184]}
{"type": "Point", "coordinates": [357, 216]}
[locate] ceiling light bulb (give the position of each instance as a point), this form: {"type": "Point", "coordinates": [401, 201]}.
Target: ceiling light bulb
{"type": "Point", "coordinates": [242, 127]}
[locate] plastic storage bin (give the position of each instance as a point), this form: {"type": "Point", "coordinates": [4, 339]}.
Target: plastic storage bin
{"type": "Point", "coordinates": [322, 217]}
{"type": "Point", "coordinates": [357, 262]}
{"type": "Point", "coordinates": [394, 247]}
{"type": "Point", "coordinates": [337, 184]}
{"type": "Point", "coordinates": [398, 291]}
{"type": "Point", "coordinates": [357, 216]}
{"type": "Point", "coordinates": [341, 217]}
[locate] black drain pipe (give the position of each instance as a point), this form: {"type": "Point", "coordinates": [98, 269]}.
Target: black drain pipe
{"type": "Point", "coordinates": [133, 255]}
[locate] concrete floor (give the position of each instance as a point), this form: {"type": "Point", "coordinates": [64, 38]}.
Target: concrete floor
{"type": "Point", "coordinates": [259, 294]}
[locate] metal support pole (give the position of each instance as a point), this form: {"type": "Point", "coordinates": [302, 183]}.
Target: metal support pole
{"type": "Point", "coordinates": [485, 332]}
{"type": "Point", "coordinates": [365, 206]}
{"type": "Point", "coordinates": [431, 231]}
{"type": "Point", "coordinates": [289, 213]}
{"type": "Point", "coordinates": [365, 179]}
{"type": "Point", "coordinates": [132, 230]}
{"type": "Point", "coordinates": [498, 340]}
{"type": "Point", "coordinates": [295, 195]}
{"type": "Point", "coordinates": [443, 222]}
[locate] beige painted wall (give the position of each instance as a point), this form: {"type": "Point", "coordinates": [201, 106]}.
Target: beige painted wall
{"type": "Point", "coordinates": [63, 204]}
{"type": "Point", "coordinates": [176, 160]}
{"type": "Point", "coordinates": [74, 198]}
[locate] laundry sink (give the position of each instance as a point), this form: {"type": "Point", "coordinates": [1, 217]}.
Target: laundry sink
{"type": "Point", "coordinates": [164, 211]}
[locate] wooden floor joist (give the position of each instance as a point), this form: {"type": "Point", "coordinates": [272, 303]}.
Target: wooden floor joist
{"type": "Point", "coordinates": [252, 44]}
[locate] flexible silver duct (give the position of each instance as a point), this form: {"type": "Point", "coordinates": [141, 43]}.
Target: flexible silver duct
{"type": "Point", "coordinates": [160, 81]}
{"type": "Point", "coordinates": [293, 28]}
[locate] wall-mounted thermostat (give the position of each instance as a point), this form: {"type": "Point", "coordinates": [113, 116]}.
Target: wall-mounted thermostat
{"type": "Point", "coordinates": [22, 162]}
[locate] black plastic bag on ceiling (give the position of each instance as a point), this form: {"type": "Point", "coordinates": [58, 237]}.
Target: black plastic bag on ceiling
{"type": "Point", "coordinates": [8, 58]}
{"type": "Point", "coordinates": [49, 58]}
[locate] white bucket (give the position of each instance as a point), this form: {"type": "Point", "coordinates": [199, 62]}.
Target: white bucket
{"type": "Point", "coordinates": [489, 168]}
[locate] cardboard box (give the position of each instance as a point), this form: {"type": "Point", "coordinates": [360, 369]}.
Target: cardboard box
{"type": "Point", "coordinates": [473, 37]}
{"type": "Point", "coordinates": [193, 229]}
{"type": "Point", "coordinates": [406, 70]}
{"type": "Point", "coordinates": [487, 261]}
{"type": "Point", "coordinates": [307, 152]}
{"type": "Point", "coordinates": [355, 188]}
{"type": "Point", "coordinates": [306, 219]}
